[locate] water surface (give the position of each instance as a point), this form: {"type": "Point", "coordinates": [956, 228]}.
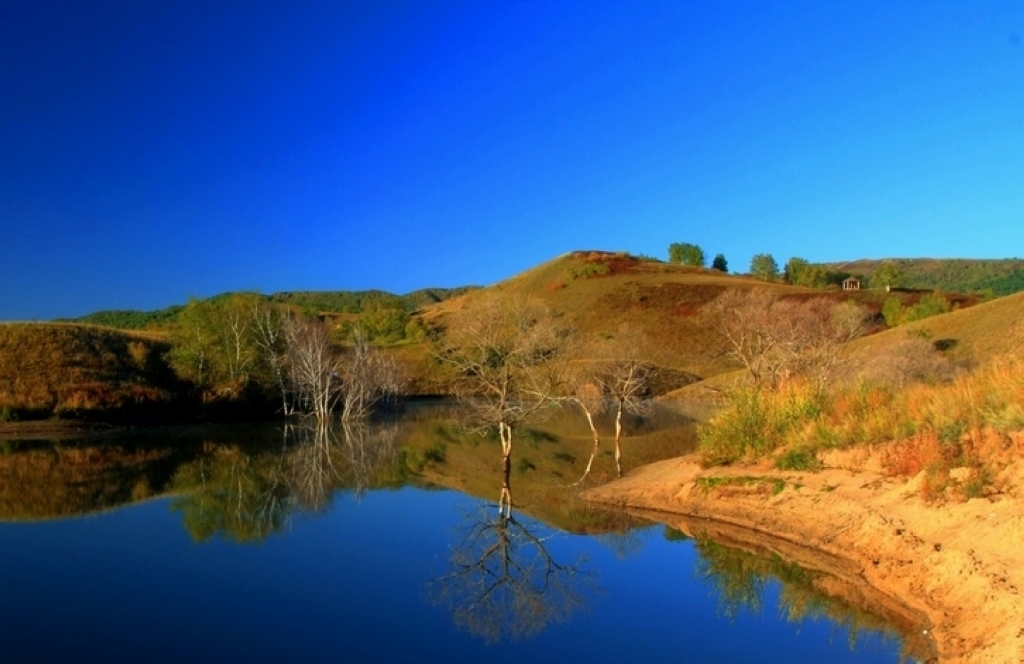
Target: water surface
{"type": "Point", "coordinates": [383, 544]}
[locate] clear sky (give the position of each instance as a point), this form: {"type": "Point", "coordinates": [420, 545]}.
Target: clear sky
{"type": "Point", "coordinates": [153, 150]}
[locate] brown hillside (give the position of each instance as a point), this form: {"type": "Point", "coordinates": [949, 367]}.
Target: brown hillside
{"type": "Point", "coordinates": [972, 336]}
{"type": "Point", "coordinates": [79, 370]}
{"type": "Point", "coordinates": [595, 292]}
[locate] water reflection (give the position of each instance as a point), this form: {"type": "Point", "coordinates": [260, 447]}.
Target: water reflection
{"type": "Point", "coordinates": [510, 571]}
{"type": "Point", "coordinates": [230, 492]}
{"type": "Point", "coordinates": [247, 494]}
{"type": "Point", "coordinates": [503, 582]}
{"type": "Point", "coordinates": [740, 567]}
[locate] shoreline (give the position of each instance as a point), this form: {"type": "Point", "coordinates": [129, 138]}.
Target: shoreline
{"type": "Point", "coordinates": [958, 567]}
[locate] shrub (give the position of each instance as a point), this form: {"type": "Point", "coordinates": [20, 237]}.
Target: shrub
{"type": "Point", "coordinates": [798, 460]}
{"type": "Point", "coordinates": [755, 422]}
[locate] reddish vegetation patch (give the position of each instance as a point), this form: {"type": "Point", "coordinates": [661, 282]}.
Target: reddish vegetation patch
{"type": "Point", "coordinates": [617, 263]}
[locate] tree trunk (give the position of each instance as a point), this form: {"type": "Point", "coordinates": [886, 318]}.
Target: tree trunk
{"type": "Point", "coordinates": [618, 438]}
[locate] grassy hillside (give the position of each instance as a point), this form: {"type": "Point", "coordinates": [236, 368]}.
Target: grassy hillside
{"type": "Point", "coordinates": [596, 292]}
{"type": "Point", "coordinates": [70, 370]}
{"type": "Point", "coordinates": [998, 277]}
{"type": "Point", "coordinates": [80, 370]}
{"type": "Point", "coordinates": [972, 336]}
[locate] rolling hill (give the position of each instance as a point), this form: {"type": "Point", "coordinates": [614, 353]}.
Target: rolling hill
{"type": "Point", "coordinates": [62, 368]}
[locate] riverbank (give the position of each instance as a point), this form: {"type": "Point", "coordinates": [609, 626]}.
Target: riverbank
{"type": "Point", "coordinates": [960, 565]}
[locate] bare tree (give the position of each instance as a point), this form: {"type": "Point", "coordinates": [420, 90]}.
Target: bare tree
{"type": "Point", "coordinates": [627, 367]}
{"type": "Point", "coordinates": [270, 327]}
{"type": "Point", "coordinates": [745, 322]}
{"type": "Point", "coordinates": [615, 371]}
{"type": "Point", "coordinates": [582, 387]}
{"type": "Point", "coordinates": [499, 347]}
{"type": "Point", "coordinates": [313, 367]}
{"type": "Point", "coordinates": [775, 338]}
{"type": "Point", "coordinates": [368, 378]}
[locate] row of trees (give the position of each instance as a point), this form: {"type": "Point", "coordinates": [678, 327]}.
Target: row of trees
{"type": "Point", "coordinates": [241, 344]}
{"type": "Point", "coordinates": [797, 271]}
{"type": "Point", "coordinates": [686, 253]}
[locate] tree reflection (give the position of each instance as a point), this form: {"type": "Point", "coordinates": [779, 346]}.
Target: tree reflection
{"type": "Point", "coordinates": [740, 578]}
{"type": "Point", "coordinates": [504, 583]}
{"type": "Point", "coordinates": [246, 497]}
{"type": "Point", "coordinates": [313, 474]}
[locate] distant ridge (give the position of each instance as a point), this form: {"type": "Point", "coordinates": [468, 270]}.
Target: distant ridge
{"type": "Point", "coordinates": [996, 277]}
{"type": "Point", "coordinates": [312, 302]}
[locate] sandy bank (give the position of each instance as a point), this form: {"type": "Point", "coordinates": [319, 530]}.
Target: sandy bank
{"type": "Point", "coordinates": [958, 569]}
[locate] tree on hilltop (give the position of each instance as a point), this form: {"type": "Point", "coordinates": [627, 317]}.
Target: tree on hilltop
{"type": "Point", "coordinates": [719, 263]}
{"type": "Point", "coordinates": [764, 267]}
{"type": "Point", "coordinates": [686, 254]}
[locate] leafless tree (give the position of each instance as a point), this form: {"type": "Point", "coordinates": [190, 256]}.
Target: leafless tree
{"type": "Point", "coordinates": [628, 364]}
{"type": "Point", "coordinates": [270, 325]}
{"type": "Point", "coordinates": [774, 338]}
{"type": "Point", "coordinates": [368, 378]}
{"type": "Point", "coordinates": [498, 348]}
{"type": "Point", "coordinates": [314, 366]}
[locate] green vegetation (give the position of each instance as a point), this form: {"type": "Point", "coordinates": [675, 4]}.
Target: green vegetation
{"type": "Point", "coordinates": [685, 253]}
{"type": "Point", "coordinates": [932, 304]}
{"type": "Point", "coordinates": [990, 277]}
{"type": "Point", "coordinates": [764, 267]}
{"type": "Point", "coordinates": [772, 485]}
{"type": "Point", "coordinates": [719, 263]}
{"type": "Point", "coordinates": [129, 319]}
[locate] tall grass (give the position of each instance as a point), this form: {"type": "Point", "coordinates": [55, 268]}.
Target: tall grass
{"type": "Point", "coordinates": [755, 423]}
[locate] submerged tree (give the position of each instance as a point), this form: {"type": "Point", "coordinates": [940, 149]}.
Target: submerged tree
{"type": "Point", "coordinates": [627, 368]}
{"type": "Point", "coordinates": [500, 348]}
{"type": "Point", "coordinates": [612, 372]}
{"type": "Point", "coordinates": [313, 368]}
{"type": "Point", "coordinates": [368, 378]}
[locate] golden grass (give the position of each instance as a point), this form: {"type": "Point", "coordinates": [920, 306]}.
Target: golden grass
{"type": "Point", "coordinates": [55, 368]}
{"type": "Point", "coordinates": [974, 336]}
{"type": "Point", "coordinates": [596, 292]}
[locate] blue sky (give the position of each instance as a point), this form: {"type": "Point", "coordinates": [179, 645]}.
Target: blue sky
{"type": "Point", "coordinates": [150, 151]}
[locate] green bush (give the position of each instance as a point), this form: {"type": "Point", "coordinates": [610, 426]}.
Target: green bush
{"type": "Point", "coordinates": [754, 423]}
{"type": "Point", "coordinates": [798, 460]}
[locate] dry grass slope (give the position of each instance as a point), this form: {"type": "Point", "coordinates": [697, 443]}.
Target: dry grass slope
{"type": "Point", "coordinates": [79, 370]}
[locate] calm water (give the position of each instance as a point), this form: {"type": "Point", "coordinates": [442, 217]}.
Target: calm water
{"type": "Point", "coordinates": [258, 544]}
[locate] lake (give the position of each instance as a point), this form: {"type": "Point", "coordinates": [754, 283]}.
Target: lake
{"type": "Point", "coordinates": [386, 543]}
